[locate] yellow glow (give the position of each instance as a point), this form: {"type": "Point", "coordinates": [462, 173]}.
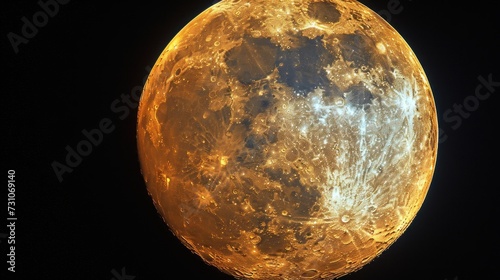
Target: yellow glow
{"type": "Point", "coordinates": [223, 160]}
{"type": "Point", "coordinates": [381, 48]}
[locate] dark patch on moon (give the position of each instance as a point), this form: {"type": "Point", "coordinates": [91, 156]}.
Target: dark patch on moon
{"type": "Point", "coordinates": [259, 104]}
{"type": "Point", "coordinates": [324, 12]}
{"type": "Point", "coordinates": [253, 60]}
{"type": "Point", "coordinates": [298, 199]}
{"type": "Point", "coordinates": [253, 151]}
{"type": "Point", "coordinates": [272, 244]}
{"type": "Point", "coordinates": [303, 236]}
{"type": "Point", "coordinates": [355, 48]}
{"type": "Point", "coordinates": [302, 68]}
{"type": "Point", "coordinates": [246, 122]}
{"type": "Point", "coordinates": [288, 179]}
{"type": "Point", "coordinates": [359, 96]}
{"type": "Point", "coordinates": [272, 135]}
{"type": "Point", "coordinates": [254, 142]}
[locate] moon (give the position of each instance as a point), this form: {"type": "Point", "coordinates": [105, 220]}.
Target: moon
{"type": "Point", "coordinates": [287, 139]}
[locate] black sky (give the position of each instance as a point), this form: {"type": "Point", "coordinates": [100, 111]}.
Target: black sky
{"type": "Point", "coordinates": [74, 72]}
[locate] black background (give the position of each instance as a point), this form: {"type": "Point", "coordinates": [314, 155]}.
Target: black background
{"type": "Point", "coordinates": [100, 220]}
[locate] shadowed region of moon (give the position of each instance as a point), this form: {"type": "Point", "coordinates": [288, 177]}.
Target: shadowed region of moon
{"type": "Point", "coordinates": [359, 96]}
{"type": "Point", "coordinates": [287, 139]}
{"type": "Point", "coordinates": [252, 60]}
{"type": "Point", "coordinates": [355, 49]}
{"type": "Point", "coordinates": [324, 11]}
{"type": "Point", "coordinates": [302, 68]}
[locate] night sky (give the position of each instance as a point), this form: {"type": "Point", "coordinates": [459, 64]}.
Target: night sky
{"type": "Point", "coordinates": [79, 71]}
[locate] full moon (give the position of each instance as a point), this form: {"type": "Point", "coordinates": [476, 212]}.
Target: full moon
{"type": "Point", "coordinates": [287, 139]}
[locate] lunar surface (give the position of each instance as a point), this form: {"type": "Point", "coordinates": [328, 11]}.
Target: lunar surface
{"type": "Point", "coordinates": [287, 139]}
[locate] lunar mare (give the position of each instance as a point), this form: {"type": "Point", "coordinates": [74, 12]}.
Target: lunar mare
{"type": "Point", "coordinates": [287, 139]}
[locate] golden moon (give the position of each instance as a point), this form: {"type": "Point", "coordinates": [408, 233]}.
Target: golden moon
{"type": "Point", "coordinates": [287, 139]}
